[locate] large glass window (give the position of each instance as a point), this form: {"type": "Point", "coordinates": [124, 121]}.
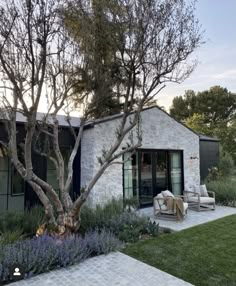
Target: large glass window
{"type": "Point", "coordinates": [176, 172]}
{"type": "Point", "coordinates": [147, 173]}
{"type": "Point", "coordinates": [130, 175]}
{"type": "Point", "coordinates": [161, 171]}
{"type": "Point", "coordinates": [146, 178]}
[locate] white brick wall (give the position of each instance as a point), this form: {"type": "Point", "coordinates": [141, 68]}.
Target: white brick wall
{"type": "Point", "coordinates": [159, 131]}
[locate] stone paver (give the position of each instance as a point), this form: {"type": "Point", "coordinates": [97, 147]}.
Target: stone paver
{"type": "Point", "coordinates": [193, 218]}
{"type": "Point", "coordinates": [114, 269]}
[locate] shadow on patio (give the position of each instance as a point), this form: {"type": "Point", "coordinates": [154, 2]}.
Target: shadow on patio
{"type": "Point", "coordinates": [193, 218]}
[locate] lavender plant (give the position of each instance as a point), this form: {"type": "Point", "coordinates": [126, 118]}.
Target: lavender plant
{"type": "Point", "coordinates": [45, 253]}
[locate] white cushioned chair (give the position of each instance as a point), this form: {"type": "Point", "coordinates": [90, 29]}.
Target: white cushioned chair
{"type": "Point", "coordinates": [200, 199]}
{"type": "Point", "coordinates": [161, 209]}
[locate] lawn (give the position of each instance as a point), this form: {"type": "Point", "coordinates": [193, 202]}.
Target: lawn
{"type": "Point", "coordinates": [202, 255]}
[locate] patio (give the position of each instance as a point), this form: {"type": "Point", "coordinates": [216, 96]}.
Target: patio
{"type": "Point", "coordinates": [193, 218]}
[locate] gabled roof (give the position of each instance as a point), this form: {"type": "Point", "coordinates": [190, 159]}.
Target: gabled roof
{"type": "Point", "coordinates": [119, 115]}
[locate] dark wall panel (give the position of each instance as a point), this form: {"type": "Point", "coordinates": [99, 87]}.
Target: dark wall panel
{"type": "Point", "coordinates": [209, 156]}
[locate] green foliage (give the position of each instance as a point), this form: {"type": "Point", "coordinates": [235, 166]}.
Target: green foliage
{"type": "Point", "coordinates": [130, 233]}
{"type": "Point", "coordinates": [213, 174]}
{"type": "Point", "coordinates": [131, 203]}
{"type": "Point", "coordinates": [128, 226]}
{"type": "Point", "coordinates": [99, 216]}
{"type": "Point", "coordinates": [225, 189]}
{"type": "Point", "coordinates": [226, 164]}
{"type": "Point", "coordinates": [13, 224]}
{"type": "Point", "coordinates": [216, 104]}
{"type": "Point", "coordinates": [197, 123]}
{"type": "Point", "coordinates": [223, 170]}
{"type": "Point", "coordinates": [211, 112]}
{"type": "Point", "coordinates": [11, 236]}
{"type": "Point", "coordinates": [152, 228]}
{"type": "Point", "coordinates": [95, 33]}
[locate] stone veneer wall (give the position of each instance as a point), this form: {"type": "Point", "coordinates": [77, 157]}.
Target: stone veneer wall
{"type": "Point", "coordinates": [159, 131]}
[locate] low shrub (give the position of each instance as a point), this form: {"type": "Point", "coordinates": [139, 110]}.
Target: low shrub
{"type": "Point", "coordinates": [45, 253]}
{"type": "Point", "coordinates": [226, 164]}
{"type": "Point", "coordinates": [225, 190]}
{"type": "Point", "coordinates": [15, 224]}
{"type": "Point", "coordinates": [10, 236]}
{"type": "Point", "coordinates": [127, 226]}
{"type": "Point", "coordinates": [92, 218]}
{"type": "Point", "coordinates": [32, 219]}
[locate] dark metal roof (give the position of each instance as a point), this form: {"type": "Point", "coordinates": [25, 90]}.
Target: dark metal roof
{"type": "Point", "coordinates": [74, 121]}
{"type": "Point", "coordinates": [207, 138]}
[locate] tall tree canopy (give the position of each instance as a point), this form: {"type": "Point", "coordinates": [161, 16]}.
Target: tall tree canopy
{"type": "Point", "coordinates": [95, 31]}
{"type": "Point", "coordinates": [216, 104]}
{"type": "Point", "coordinates": [211, 112]}
{"type": "Point", "coordinates": [149, 35]}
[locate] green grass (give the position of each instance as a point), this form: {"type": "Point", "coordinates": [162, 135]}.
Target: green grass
{"type": "Point", "coordinates": [202, 255]}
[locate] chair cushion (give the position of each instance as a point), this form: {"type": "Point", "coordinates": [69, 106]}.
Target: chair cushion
{"type": "Point", "coordinates": [203, 191]}
{"type": "Point", "coordinates": [203, 200]}
{"type": "Point", "coordinates": [161, 199]}
{"type": "Point", "coordinates": [197, 189]}
{"type": "Point", "coordinates": [159, 202]}
{"type": "Point", "coordinates": [167, 193]}
{"type": "Point", "coordinates": [185, 206]}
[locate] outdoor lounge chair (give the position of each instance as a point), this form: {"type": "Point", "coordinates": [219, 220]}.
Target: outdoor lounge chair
{"type": "Point", "coordinates": [168, 206]}
{"type": "Point", "coordinates": [200, 199]}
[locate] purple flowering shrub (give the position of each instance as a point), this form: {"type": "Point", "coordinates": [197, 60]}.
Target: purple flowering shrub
{"type": "Point", "coordinates": [44, 253]}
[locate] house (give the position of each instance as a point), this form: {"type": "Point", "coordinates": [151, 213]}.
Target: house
{"type": "Point", "coordinates": [15, 194]}
{"type": "Point", "coordinates": [168, 159]}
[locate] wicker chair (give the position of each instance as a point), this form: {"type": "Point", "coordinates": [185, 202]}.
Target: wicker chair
{"type": "Point", "coordinates": [200, 199]}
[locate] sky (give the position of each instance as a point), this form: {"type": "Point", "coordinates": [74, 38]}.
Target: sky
{"type": "Point", "coordinates": [217, 57]}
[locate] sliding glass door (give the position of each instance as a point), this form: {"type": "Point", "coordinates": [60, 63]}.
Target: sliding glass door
{"type": "Point", "coordinates": [146, 178]}
{"type": "Point", "coordinates": [161, 171]}
{"type": "Point", "coordinates": [176, 172]}
{"type": "Point", "coordinates": [149, 172]}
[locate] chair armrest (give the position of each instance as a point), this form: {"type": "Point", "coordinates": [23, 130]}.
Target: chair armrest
{"type": "Point", "coordinates": [212, 193]}
{"type": "Point", "coordinates": [191, 192]}
{"type": "Point", "coordinates": [179, 196]}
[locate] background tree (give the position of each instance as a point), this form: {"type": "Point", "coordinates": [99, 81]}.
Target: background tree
{"type": "Point", "coordinates": [216, 104]}
{"type": "Point", "coordinates": [39, 60]}
{"type": "Point", "coordinates": [94, 30]}
{"type": "Point", "coordinates": [211, 112]}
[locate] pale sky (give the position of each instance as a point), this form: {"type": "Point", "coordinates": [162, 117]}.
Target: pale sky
{"type": "Point", "coordinates": [217, 57]}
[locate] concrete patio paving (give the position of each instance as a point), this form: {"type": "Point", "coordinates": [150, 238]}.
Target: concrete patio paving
{"type": "Point", "coordinates": [114, 269]}
{"type": "Point", "coordinates": [193, 218]}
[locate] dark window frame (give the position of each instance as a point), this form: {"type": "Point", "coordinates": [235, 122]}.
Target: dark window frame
{"type": "Point", "coordinates": [153, 159]}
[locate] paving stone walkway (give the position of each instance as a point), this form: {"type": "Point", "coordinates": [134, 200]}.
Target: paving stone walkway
{"type": "Point", "coordinates": [114, 269]}
{"type": "Point", "coordinates": [193, 218]}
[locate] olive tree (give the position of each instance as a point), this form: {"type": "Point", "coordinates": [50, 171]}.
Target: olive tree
{"type": "Point", "coordinates": [42, 61]}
